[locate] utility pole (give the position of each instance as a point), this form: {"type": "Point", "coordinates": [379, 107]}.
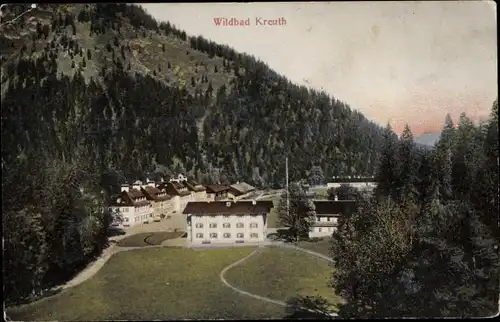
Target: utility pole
{"type": "Point", "coordinates": [287, 194]}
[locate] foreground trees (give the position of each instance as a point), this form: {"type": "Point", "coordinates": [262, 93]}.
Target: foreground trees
{"type": "Point", "coordinates": [297, 211]}
{"type": "Point", "coordinates": [426, 245]}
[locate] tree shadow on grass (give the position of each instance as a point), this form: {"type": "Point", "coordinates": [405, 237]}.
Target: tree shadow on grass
{"type": "Point", "coordinates": [116, 232]}
{"type": "Point", "coordinates": [309, 307]}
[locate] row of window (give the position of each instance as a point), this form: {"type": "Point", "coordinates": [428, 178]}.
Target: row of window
{"type": "Point", "coordinates": [227, 216]}
{"type": "Point", "coordinates": [138, 218]}
{"type": "Point", "coordinates": [227, 225]}
{"type": "Point", "coordinates": [330, 229]}
{"type": "Point", "coordinates": [228, 235]}
{"type": "Point", "coordinates": [327, 219]}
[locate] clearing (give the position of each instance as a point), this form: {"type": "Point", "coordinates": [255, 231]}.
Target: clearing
{"type": "Point", "coordinates": [283, 274]}
{"type": "Point", "coordinates": [154, 284]}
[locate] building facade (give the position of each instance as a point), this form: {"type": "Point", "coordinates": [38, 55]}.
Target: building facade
{"type": "Point", "coordinates": [161, 201]}
{"type": "Point", "coordinates": [130, 208]}
{"type": "Point", "coordinates": [328, 213]}
{"type": "Point", "coordinates": [198, 191]}
{"type": "Point", "coordinates": [219, 222]}
{"type": "Point", "coordinates": [180, 195]}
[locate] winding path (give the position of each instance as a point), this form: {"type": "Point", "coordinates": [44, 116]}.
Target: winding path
{"type": "Point", "coordinates": [95, 266]}
{"type": "Point", "coordinates": [263, 298]}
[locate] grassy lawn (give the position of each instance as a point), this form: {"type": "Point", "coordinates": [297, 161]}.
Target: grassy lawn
{"type": "Point", "coordinates": [148, 239]}
{"type": "Point", "coordinates": [156, 284]}
{"type": "Point", "coordinates": [322, 246]}
{"type": "Point", "coordinates": [282, 274]}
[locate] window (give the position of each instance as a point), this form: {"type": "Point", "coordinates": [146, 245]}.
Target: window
{"type": "Point", "coordinates": [199, 225]}
{"type": "Point", "coordinates": [199, 235]}
{"type": "Point", "coordinates": [239, 235]}
{"type": "Point", "coordinates": [226, 216]}
{"type": "Point", "coordinates": [227, 235]}
{"type": "Point", "coordinates": [239, 225]}
{"type": "Point", "coordinates": [329, 229]}
{"type": "Point", "coordinates": [226, 225]}
{"type": "Point", "coordinates": [254, 235]}
{"type": "Point", "coordinates": [253, 225]}
{"type": "Point", "coordinates": [126, 219]}
{"type": "Point", "coordinates": [213, 225]}
{"type": "Point", "coordinates": [213, 235]}
{"type": "Point", "coordinates": [212, 216]}
{"type": "Point", "coordinates": [329, 219]}
{"type": "Point", "coordinates": [254, 215]}
{"type": "Point", "coordinates": [319, 229]}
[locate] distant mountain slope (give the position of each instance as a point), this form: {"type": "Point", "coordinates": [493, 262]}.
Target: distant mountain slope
{"type": "Point", "coordinates": [428, 139]}
{"type": "Point", "coordinates": [109, 87]}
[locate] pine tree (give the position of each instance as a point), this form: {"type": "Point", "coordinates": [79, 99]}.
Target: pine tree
{"type": "Point", "coordinates": [444, 152]}
{"type": "Point", "coordinates": [316, 176]}
{"type": "Point", "coordinates": [408, 166]}
{"type": "Point", "coordinates": [298, 214]}
{"type": "Point", "coordinates": [388, 171]}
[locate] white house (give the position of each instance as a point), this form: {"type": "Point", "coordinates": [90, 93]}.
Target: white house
{"type": "Point", "coordinates": [130, 207]}
{"type": "Point", "coordinates": [180, 178]}
{"type": "Point", "coordinates": [212, 222]}
{"type": "Point", "coordinates": [327, 214]}
{"type": "Point", "coordinates": [179, 193]}
{"type": "Point", "coordinates": [198, 191]}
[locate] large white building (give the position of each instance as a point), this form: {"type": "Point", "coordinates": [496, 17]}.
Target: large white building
{"type": "Point", "coordinates": [131, 207]}
{"type": "Point", "coordinates": [213, 222]}
{"type": "Point", "coordinates": [327, 215]}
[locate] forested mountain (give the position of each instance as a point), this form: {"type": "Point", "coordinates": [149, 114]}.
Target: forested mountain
{"type": "Point", "coordinates": [108, 84]}
{"type": "Point", "coordinates": [97, 95]}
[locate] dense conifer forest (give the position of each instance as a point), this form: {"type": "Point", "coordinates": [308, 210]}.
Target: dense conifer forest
{"type": "Point", "coordinates": [98, 95]}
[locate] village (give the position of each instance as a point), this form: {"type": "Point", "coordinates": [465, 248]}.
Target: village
{"type": "Point", "coordinates": [219, 214]}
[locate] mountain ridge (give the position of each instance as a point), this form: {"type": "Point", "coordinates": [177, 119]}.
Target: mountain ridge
{"type": "Point", "coordinates": [221, 115]}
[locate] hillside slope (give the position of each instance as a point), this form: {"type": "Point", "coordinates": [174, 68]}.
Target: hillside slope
{"type": "Point", "coordinates": [108, 87]}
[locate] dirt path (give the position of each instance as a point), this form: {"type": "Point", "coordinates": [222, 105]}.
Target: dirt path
{"type": "Point", "coordinates": [263, 298]}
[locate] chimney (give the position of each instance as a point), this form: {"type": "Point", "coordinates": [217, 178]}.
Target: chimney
{"type": "Point", "coordinates": [125, 187]}
{"type": "Point", "coordinates": [254, 202]}
{"type": "Point", "coordinates": [336, 198]}
{"type": "Point", "coordinates": [228, 204]}
{"type": "Point", "coordinates": [237, 182]}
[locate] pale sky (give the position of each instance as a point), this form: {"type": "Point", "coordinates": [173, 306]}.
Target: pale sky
{"type": "Point", "coordinates": [402, 62]}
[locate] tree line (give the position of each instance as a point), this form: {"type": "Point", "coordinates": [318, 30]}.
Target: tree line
{"type": "Point", "coordinates": [425, 242]}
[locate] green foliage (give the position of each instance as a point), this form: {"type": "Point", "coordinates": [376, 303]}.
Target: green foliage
{"type": "Point", "coordinates": [344, 192]}
{"type": "Point", "coordinates": [296, 212]}
{"type": "Point", "coordinates": [432, 252]}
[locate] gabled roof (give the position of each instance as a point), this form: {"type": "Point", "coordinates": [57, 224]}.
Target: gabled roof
{"type": "Point", "coordinates": [241, 188]}
{"type": "Point", "coordinates": [193, 186]}
{"type": "Point", "coordinates": [214, 188]}
{"type": "Point", "coordinates": [221, 207]}
{"type": "Point", "coordinates": [334, 207]}
{"type": "Point", "coordinates": [155, 194]}
{"type": "Point", "coordinates": [129, 199]}
{"type": "Point", "coordinates": [173, 189]}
